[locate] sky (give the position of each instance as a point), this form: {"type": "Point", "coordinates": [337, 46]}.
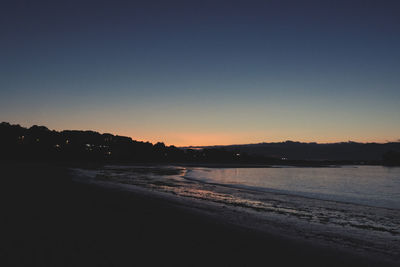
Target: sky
{"type": "Point", "coordinates": [204, 72]}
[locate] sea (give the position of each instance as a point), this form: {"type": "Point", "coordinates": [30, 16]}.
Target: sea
{"type": "Point", "coordinates": [350, 206]}
{"type": "Point", "coordinates": [367, 185]}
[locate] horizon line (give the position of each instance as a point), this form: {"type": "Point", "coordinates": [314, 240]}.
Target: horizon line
{"type": "Point", "coordinates": [215, 145]}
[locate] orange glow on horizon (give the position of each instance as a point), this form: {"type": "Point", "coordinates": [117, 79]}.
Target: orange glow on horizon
{"type": "Point", "coordinates": [215, 139]}
{"type": "Point", "coordinates": [209, 137]}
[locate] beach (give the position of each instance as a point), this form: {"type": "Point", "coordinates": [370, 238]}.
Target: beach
{"type": "Point", "coordinates": [50, 218]}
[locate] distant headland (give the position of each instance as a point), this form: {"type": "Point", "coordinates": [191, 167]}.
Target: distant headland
{"type": "Point", "coordinates": [41, 143]}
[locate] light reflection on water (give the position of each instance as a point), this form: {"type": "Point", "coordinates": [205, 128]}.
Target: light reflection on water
{"type": "Point", "coordinates": [279, 193]}
{"type": "Point", "coordinates": [368, 185]}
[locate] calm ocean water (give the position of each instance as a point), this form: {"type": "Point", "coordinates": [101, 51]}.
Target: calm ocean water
{"type": "Point", "coordinates": [353, 205]}
{"type": "Point", "coordinates": [368, 185]}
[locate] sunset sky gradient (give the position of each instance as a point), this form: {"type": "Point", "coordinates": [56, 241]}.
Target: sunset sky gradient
{"type": "Point", "coordinates": [204, 72]}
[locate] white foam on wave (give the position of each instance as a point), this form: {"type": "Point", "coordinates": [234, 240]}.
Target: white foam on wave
{"type": "Point", "coordinates": [371, 228]}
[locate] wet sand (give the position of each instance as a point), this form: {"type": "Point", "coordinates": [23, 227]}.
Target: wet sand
{"type": "Point", "coordinates": [49, 220]}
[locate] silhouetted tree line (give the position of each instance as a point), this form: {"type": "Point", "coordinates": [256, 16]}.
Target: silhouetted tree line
{"type": "Point", "coordinates": [40, 143]}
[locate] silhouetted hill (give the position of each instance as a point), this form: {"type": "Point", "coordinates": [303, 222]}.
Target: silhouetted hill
{"type": "Point", "coordinates": [349, 151]}
{"type": "Point", "coordinates": [40, 143]}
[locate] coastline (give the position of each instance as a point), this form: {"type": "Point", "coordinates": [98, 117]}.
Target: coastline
{"type": "Point", "coordinates": [353, 227]}
{"type": "Point", "coordinates": [50, 219]}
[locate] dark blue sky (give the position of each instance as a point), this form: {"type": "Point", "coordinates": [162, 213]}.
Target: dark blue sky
{"type": "Point", "coordinates": [204, 72]}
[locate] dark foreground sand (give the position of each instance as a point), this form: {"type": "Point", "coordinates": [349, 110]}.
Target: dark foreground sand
{"type": "Point", "coordinates": [48, 220]}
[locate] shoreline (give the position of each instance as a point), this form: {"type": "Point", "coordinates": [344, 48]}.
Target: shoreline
{"type": "Point", "coordinates": [289, 214]}
{"type": "Point", "coordinates": [49, 219]}
{"type": "Point", "coordinates": [310, 164]}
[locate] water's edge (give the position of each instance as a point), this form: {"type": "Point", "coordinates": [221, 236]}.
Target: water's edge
{"type": "Point", "coordinates": [352, 226]}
